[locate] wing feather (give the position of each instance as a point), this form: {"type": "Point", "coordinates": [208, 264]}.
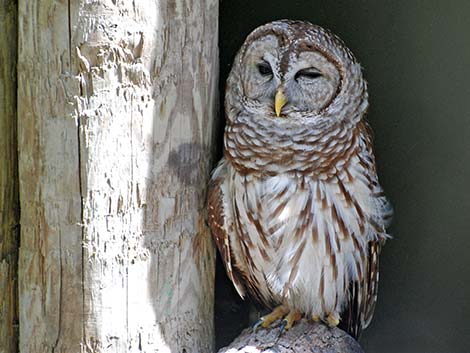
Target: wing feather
{"type": "Point", "coordinates": [363, 294]}
{"type": "Point", "coordinates": [219, 223]}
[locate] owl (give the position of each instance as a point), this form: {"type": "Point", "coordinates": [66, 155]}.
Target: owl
{"type": "Point", "coordinates": [295, 205]}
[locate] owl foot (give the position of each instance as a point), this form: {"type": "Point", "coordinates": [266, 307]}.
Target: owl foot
{"type": "Point", "coordinates": [265, 321]}
{"type": "Point", "coordinates": [291, 319]}
{"type": "Point", "coordinates": [332, 320]}
{"type": "Point", "coordinates": [316, 318]}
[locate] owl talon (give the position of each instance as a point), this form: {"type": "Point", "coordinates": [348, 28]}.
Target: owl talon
{"type": "Point", "coordinates": [281, 312]}
{"type": "Point", "coordinates": [332, 320]}
{"type": "Point", "coordinates": [282, 327]}
{"type": "Point", "coordinates": [257, 324]}
{"type": "Point", "coordinates": [265, 321]}
{"type": "Point", "coordinates": [291, 319]}
{"type": "Point", "coordinates": [316, 318]}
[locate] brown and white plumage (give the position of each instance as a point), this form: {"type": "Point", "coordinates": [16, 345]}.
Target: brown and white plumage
{"type": "Point", "coordinates": [295, 205]}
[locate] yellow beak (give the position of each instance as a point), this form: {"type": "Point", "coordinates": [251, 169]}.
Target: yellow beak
{"type": "Point", "coordinates": [280, 100]}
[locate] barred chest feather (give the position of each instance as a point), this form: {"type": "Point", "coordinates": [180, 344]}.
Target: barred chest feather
{"type": "Point", "coordinates": [300, 240]}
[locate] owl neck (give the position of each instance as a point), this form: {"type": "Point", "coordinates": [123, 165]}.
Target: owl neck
{"type": "Point", "coordinates": [266, 147]}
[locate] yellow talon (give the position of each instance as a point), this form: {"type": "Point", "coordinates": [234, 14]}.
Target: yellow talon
{"type": "Point", "coordinates": [276, 314]}
{"type": "Point", "coordinates": [292, 318]}
{"type": "Point", "coordinates": [332, 320]}
{"type": "Point", "coordinates": [316, 318]}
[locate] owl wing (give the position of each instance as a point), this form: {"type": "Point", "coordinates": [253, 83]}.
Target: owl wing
{"type": "Point", "coordinates": [220, 222]}
{"type": "Point", "coordinates": [363, 294]}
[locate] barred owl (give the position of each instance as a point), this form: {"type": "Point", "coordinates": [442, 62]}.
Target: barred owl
{"type": "Point", "coordinates": [295, 206]}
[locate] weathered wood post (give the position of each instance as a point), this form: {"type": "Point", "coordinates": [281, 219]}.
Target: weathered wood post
{"type": "Point", "coordinates": [116, 126]}
{"type": "Point", "coordinates": [304, 337]}
{"type": "Point", "coordinates": [9, 208]}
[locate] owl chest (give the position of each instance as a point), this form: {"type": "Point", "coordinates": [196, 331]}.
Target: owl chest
{"type": "Point", "coordinates": [295, 230]}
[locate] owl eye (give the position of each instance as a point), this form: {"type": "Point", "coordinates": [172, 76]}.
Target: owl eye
{"type": "Point", "coordinates": [310, 74]}
{"type": "Point", "coordinates": [265, 69]}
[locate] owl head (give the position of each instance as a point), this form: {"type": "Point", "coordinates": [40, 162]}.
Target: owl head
{"type": "Point", "coordinates": [297, 72]}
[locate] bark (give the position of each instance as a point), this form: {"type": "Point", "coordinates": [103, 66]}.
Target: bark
{"type": "Point", "coordinates": [303, 337]}
{"type": "Point", "coordinates": [116, 132]}
{"type": "Point", "coordinates": [9, 208]}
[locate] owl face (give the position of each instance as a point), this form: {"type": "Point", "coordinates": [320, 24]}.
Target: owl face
{"type": "Point", "coordinates": [284, 81]}
{"type": "Point", "coordinates": [294, 71]}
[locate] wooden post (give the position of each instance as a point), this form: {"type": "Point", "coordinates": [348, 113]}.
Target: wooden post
{"type": "Point", "coordinates": [9, 209]}
{"type": "Point", "coordinates": [304, 337]}
{"type": "Point", "coordinates": [116, 127]}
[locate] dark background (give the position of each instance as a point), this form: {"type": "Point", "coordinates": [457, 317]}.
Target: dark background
{"type": "Point", "coordinates": [416, 58]}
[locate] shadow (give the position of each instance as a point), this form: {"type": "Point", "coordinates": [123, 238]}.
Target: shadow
{"type": "Point", "coordinates": [177, 238]}
{"type": "Point", "coordinates": [180, 268]}
{"type": "Point", "coordinates": [184, 162]}
{"type": "Point", "coordinates": [232, 313]}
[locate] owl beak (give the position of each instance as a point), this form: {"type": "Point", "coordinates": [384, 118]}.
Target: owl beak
{"type": "Point", "coordinates": [280, 100]}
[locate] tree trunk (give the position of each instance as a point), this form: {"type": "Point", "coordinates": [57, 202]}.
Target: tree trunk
{"type": "Point", "coordinates": [116, 128]}
{"type": "Point", "coordinates": [302, 338]}
{"type": "Point", "coordinates": [9, 210]}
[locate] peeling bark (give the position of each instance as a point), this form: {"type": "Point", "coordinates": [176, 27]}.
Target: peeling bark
{"type": "Point", "coordinates": [9, 208]}
{"type": "Point", "coordinates": [302, 338]}
{"type": "Point", "coordinates": [116, 131]}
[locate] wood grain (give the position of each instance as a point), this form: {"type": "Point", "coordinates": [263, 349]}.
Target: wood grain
{"type": "Point", "coordinates": [9, 199]}
{"type": "Point", "coordinates": [116, 139]}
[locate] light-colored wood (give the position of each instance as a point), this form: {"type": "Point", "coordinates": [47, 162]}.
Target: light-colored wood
{"type": "Point", "coordinates": [118, 103]}
{"type": "Point", "coordinates": [9, 210]}
{"type": "Point", "coordinates": [305, 336]}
